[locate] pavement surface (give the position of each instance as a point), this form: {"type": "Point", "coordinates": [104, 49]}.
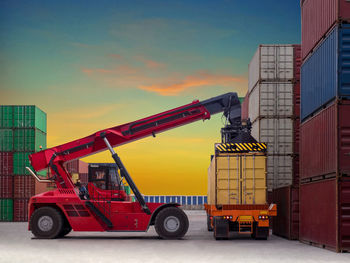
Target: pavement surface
{"type": "Point", "coordinates": [18, 245]}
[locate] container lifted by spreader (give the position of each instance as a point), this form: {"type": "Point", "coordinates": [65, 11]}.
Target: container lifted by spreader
{"type": "Point", "coordinates": [55, 213]}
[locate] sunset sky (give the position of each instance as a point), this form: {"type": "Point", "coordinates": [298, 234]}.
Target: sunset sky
{"type": "Point", "coordinates": [91, 65]}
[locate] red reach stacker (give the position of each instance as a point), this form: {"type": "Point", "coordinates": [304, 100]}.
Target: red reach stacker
{"type": "Point", "coordinates": [90, 208]}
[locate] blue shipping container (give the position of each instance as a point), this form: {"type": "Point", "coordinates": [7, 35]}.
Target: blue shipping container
{"type": "Point", "coordinates": [325, 75]}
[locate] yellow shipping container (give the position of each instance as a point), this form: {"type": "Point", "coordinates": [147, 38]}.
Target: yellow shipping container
{"type": "Point", "coordinates": [237, 178]}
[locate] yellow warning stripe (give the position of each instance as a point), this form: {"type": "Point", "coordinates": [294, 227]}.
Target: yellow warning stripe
{"type": "Point", "coordinates": [239, 147]}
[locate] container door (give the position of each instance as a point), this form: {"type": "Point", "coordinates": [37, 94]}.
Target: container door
{"type": "Point", "coordinates": [228, 180]}
{"type": "Point", "coordinates": [253, 179]}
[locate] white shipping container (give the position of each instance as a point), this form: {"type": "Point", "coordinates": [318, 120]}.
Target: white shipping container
{"type": "Point", "coordinates": [276, 133]}
{"type": "Point", "coordinates": [279, 171]}
{"type": "Point", "coordinates": [271, 63]}
{"type": "Point", "coordinates": [271, 100]}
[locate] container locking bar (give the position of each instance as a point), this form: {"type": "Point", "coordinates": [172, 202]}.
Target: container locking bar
{"type": "Point", "coordinates": [126, 175]}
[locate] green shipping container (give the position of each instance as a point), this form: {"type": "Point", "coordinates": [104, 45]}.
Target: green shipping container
{"type": "Point", "coordinates": [6, 140]}
{"type": "Point", "coordinates": [6, 210]}
{"type": "Point", "coordinates": [22, 117]}
{"type": "Point", "coordinates": [21, 161]}
{"type": "Point", "coordinates": [29, 140]}
{"type": "Point", "coordinates": [6, 116]}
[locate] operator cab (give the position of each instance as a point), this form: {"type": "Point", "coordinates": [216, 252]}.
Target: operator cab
{"type": "Point", "coordinates": [105, 183]}
{"type": "Point", "coordinates": [105, 176]}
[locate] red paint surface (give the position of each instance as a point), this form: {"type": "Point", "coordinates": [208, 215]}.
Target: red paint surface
{"type": "Point", "coordinates": [296, 135]}
{"type": "Point", "coordinates": [323, 145]}
{"type": "Point", "coordinates": [6, 163]}
{"type": "Point", "coordinates": [286, 223]}
{"type": "Point", "coordinates": [319, 222]}
{"type": "Point", "coordinates": [20, 210]}
{"type": "Point", "coordinates": [318, 207]}
{"type": "Point", "coordinates": [245, 107]}
{"type": "Point", "coordinates": [297, 62]}
{"type": "Point", "coordinates": [24, 186]}
{"type": "Point", "coordinates": [318, 17]}
{"type": "Point", "coordinates": [344, 213]}
{"type": "Point", "coordinates": [6, 186]}
{"type": "Point", "coordinates": [296, 171]}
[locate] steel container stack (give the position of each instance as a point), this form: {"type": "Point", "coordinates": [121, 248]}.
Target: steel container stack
{"type": "Point", "coordinates": [325, 124]}
{"type": "Point", "coordinates": [78, 167]}
{"type": "Point", "coordinates": [274, 110]}
{"type": "Point", "coordinates": [22, 132]}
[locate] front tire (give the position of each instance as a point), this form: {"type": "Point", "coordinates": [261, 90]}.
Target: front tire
{"type": "Point", "coordinates": [46, 222]}
{"type": "Point", "coordinates": [171, 223]}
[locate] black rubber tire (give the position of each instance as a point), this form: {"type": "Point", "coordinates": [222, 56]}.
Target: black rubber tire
{"type": "Point", "coordinates": [66, 228]}
{"type": "Point", "coordinates": [56, 217]}
{"type": "Point", "coordinates": [209, 227]}
{"type": "Point", "coordinates": [261, 236]}
{"type": "Point", "coordinates": [163, 215]}
{"type": "Point", "coordinates": [65, 231]}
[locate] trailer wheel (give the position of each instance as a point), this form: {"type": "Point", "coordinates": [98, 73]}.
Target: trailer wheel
{"type": "Point", "coordinates": [46, 222]}
{"type": "Point", "coordinates": [171, 223]}
{"type": "Point", "coordinates": [261, 233]}
{"type": "Point", "coordinates": [210, 228]}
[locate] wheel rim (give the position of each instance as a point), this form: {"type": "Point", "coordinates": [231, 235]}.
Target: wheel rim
{"type": "Point", "coordinates": [171, 224]}
{"type": "Point", "coordinates": [45, 223]}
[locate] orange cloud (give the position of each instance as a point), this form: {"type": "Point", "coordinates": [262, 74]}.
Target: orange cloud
{"type": "Point", "coordinates": [202, 78]}
{"type": "Point", "coordinates": [151, 64]}
{"type": "Point", "coordinates": [116, 56]}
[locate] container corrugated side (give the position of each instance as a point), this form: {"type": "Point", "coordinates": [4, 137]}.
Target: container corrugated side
{"type": "Point", "coordinates": [6, 186]}
{"type": "Point", "coordinates": [20, 209]}
{"type": "Point", "coordinates": [297, 62]}
{"type": "Point", "coordinates": [6, 116]}
{"type": "Point", "coordinates": [286, 223]}
{"type": "Point", "coordinates": [29, 140]}
{"type": "Point", "coordinates": [6, 210]}
{"type": "Point", "coordinates": [271, 63]}
{"type": "Point", "coordinates": [271, 100]}
{"type": "Point", "coordinates": [344, 214]}
{"type": "Point", "coordinates": [21, 161]}
{"type": "Point", "coordinates": [24, 186]}
{"type": "Point", "coordinates": [279, 171]}
{"type": "Point", "coordinates": [276, 133]}
{"type": "Point", "coordinates": [318, 17]}
{"type": "Point", "coordinates": [237, 179]}
{"type": "Point", "coordinates": [26, 116]}
{"type": "Point", "coordinates": [325, 75]}
{"type": "Point", "coordinates": [321, 200]}
{"type": "Point", "coordinates": [40, 187]}
{"type": "Point", "coordinates": [325, 142]}
{"type": "Point", "coordinates": [6, 140]}
{"type": "Point", "coordinates": [6, 163]}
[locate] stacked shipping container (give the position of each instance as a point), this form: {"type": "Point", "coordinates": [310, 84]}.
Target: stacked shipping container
{"type": "Point", "coordinates": [22, 132]}
{"type": "Point", "coordinates": [273, 107]}
{"type": "Point", "coordinates": [325, 126]}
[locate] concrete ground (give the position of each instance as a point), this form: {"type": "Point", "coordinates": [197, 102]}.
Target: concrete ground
{"type": "Point", "coordinates": [17, 245]}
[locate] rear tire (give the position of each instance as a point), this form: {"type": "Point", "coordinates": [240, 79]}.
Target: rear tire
{"type": "Point", "coordinates": [46, 222]}
{"type": "Point", "coordinates": [171, 223]}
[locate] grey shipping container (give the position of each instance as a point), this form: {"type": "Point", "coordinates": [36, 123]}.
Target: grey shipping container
{"type": "Point", "coordinates": [271, 100]}
{"type": "Point", "coordinates": [278, 134]}
{"type": "Point", "coordinates": [271, 63]}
